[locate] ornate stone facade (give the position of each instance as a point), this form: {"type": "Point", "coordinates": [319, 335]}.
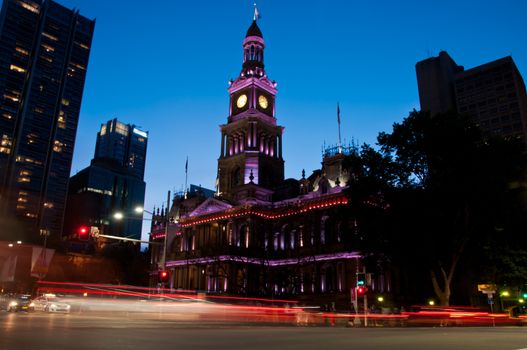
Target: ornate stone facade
{"type": "Point", "coordinates": [261, 234]}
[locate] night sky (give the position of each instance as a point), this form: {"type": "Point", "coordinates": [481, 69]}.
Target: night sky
{"type": "Point", "coordinates": [164, 65]}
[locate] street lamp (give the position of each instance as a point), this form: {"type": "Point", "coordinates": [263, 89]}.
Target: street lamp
{"type": "Point", "coordinates": [138, 210]}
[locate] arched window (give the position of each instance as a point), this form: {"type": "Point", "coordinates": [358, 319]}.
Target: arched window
{"type": "Point", "coordinates": [262, 144]}
{"type": "Point", "coordinates": [230, 237]}
{"type": "Point", "coordinates": [327, 275]}
{"type": "Point", "coordinates": [242, 239]}
{"type": "Point", "coordinates": [323, 185]}
{"type": "Point", "coordinates": [323, 230]}
{"type": "Point", "coordinates": [252, 53]}
{"type": "Point", "coordinates": [292, 237]}
{"type": "Point", "coordinates": [283, 241]}
{"type": "Point", "coordinates": [339, 231]}
{"type": "Point", "coordinates": [341, 276]}
{"type": "Point", "coordinates": [236, 177]}
{"type": "Point", "coordinates": [246, 238]}
{"type": "Point", "coordinates": [276, 241]}
{"type": "Point", "coordinates": [328, 230]}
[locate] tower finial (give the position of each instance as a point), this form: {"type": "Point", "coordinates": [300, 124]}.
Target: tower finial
{"type": "Point", "coordinates": [256, 13]}
{"type": "Point", "coordinates": [338, 122]}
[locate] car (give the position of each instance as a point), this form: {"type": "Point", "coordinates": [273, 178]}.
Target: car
{"type": "Point", "coordinates": [50, 303]}
{"type": "Point", "coordinates": [16, 302]}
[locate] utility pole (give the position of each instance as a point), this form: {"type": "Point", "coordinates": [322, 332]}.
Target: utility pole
{"type": "Point", "coordinates": [167, 222]}
{"type": "Point", "coordinates": [365, 298]}
{"type": "Point", "coordinates": [355, 297]}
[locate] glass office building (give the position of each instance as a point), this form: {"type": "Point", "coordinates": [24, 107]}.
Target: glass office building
{"type": "Point", "coordinates": [44, 52]}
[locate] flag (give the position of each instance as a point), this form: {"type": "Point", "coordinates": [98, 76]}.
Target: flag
{"type": "Point", "coordinates": [338, 113]}
{"type": "Point", "coordinates": [8, 268]}
{"type": "Point", "coordinates": [256, 13]}
{"type": "Point", "coordinates": [40, 261]}
{"type": "Point", "coordinates": [186, 166]}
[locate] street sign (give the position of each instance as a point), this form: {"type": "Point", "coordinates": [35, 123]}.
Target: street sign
{"type": "Point", "coordinates": [487, 288]}
{"type": "Point", "coordinates": [491, 301]}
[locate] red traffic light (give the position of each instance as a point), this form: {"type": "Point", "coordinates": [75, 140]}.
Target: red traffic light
{"type": "Point", "coordinates": [84, 232]}
{"type": "Point", "coordinates": [163, 276]}
{"type": "Point", "coordinates": [361, 290]}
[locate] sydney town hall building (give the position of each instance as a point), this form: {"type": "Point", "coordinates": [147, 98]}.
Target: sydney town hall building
{"type": "Point", "coordinates": [261, 234]}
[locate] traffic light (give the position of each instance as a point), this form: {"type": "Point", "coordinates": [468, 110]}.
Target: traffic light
{"type": "Point", "coordinates": [361, 279]}
{"type": "Point", "coordinates": [84, 233]}
{"type": "Point", "coordinates": [163, 276]}
{"type": "Point", "coordinates": [361, 291]}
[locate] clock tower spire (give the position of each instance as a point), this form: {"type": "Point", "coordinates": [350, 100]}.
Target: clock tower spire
{"type": "Point", "coordinates": [251, 141]}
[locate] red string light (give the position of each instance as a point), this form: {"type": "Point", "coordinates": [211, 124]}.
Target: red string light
{"type": "Point", "coordinates": [305, 208]}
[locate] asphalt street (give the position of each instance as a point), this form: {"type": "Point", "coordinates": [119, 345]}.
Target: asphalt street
{"type": "Point", "coordinates": [157, 331]}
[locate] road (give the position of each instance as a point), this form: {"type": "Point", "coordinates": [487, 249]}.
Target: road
{"type": "Point", "coordinates": [97, 331]}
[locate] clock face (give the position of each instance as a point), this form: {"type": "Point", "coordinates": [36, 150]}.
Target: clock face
{"type": "Point", "coordinates": [262, 101]}
{"type": "Point", "coordinates": [241, 101]}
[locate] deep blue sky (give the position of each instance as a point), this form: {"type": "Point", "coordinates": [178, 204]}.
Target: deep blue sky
{"type": "Point", "coordinates": [164, 65]}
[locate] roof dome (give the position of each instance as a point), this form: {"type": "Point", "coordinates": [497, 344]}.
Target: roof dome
{"type": "Point", "coordinates": [254, 30]}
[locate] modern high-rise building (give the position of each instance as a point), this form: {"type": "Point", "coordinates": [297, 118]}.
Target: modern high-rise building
{"type": "Point", "coordinates": [492, 94]}
{"type": "Point", "coordinates": [123, 143]}
{"type": "Point", "coordinates": [113, 183]}
{"type": "Point", "coordinates": [44, 52]}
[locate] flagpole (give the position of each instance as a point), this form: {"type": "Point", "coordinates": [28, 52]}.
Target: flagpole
{"type": "Point", "coordinates": [256, 13]}
{"type": "Point", "coordinates": [338, 121]}
{"type": "Point", "coordinates": [186, 177]}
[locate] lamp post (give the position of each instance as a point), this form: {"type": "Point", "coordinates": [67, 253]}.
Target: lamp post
{"type": "Point", "coordinates": [161, 265]}
{"type": "Point", "coordinates": [45, 233]}
{"type": "Point", "coordinates": [162, 261]}
{"type": "Point", "coordinates": [167, 222]}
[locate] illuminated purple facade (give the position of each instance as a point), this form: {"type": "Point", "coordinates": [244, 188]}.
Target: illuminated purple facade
{"type": "Point", "coordinates": [262, 234]}
{"type": "Point", "coordinates": [251, 141]}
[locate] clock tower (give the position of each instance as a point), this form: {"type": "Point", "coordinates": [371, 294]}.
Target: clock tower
{"type": "Point", "coordinates": [251, 141]}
